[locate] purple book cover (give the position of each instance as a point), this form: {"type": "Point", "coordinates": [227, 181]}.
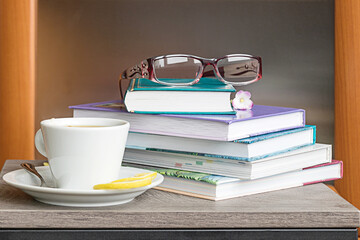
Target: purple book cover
{"type": "Point", "coordinates": [258, 111]}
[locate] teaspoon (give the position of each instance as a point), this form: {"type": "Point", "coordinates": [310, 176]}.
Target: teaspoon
{"type": "Point", "coordinates": [31, 168]}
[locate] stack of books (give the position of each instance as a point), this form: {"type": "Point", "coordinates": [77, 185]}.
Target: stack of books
{"type": "Point", "coordinates": [217, 155]}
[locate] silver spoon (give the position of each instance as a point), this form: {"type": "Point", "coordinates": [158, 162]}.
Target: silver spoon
{"type": "Point", "coordinates": [31, 169]}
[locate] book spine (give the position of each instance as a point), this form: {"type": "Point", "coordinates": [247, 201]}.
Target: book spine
{"type": "Point", "coordinates": [333, 162]}
{"type": "Point", "coordinates": [330, 179]}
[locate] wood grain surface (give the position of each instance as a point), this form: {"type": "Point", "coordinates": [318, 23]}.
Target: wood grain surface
{"type": "Point", "coordinates": [313, 206]}
{"type": "Point", "coordinates": [347, 97]}
{"type": "Point", "coordinates": [17, 78]}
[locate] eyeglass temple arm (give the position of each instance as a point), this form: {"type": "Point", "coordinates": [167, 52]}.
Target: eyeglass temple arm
{"type": "Point", "coordinates": [120, 87]}
{"type": "Point", "coordinates": [140, 70]}
{"type": "Point", "coordinates": [133, 72]}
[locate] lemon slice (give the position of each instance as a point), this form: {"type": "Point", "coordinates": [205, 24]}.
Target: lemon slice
{"type": "Point", "coordinates": [139, 180]}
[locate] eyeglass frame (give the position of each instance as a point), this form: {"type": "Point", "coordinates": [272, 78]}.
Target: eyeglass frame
{"type": "Point", "coordinates": [145, 70]}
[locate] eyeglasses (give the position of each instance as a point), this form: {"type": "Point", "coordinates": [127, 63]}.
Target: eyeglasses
{"type": "Point", "coordinates": [186, 70]}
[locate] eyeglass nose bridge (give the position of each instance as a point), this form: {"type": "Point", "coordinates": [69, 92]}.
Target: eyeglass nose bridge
{"type": "Point", "coordinates": [210, 61]}
{"type": "Point", "coordinates": [215, 70]}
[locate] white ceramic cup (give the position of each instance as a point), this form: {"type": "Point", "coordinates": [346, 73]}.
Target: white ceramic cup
{"type": "Point", "coordinates": [83, 152]}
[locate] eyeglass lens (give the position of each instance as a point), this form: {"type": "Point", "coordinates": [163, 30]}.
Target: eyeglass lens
{"type": "Point", "coordinates": [182, 69]}
{"type": "Point", "coordinates": [238, 69]}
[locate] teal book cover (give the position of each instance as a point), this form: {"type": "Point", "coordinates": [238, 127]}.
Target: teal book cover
{"type": "Point", "coordinates": [249, 140]}
{"type": "Point", "coordinates": [205, 84]}
{"type": "Point", "coordinates": [263, 137]}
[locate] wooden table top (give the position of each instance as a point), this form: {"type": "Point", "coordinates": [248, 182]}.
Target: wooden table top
{"type": "Point", "coordinates": [312, 206]}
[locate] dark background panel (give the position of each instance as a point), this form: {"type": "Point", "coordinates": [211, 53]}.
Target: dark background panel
{"type": "Point", "coordinates": [83, 46]}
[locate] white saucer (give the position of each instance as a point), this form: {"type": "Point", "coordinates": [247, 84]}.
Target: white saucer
{"type": "Point", "coordinates": [76, 198]}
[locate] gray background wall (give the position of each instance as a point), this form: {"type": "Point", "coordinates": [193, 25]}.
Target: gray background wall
{"type": "Point", "coordinates": [83, 45]}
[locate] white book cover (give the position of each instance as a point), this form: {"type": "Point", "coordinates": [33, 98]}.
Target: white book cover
{"type": "Point", "coordinates": [215, 187]}
{"type": "Point", "coordinates": [285, 162]}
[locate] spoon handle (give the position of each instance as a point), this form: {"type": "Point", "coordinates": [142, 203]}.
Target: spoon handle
{"type": "Point", "coordinates": [31, 168]}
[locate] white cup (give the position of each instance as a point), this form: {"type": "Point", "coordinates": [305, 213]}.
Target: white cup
{"type": "Point", "coordinates": [83, 152]}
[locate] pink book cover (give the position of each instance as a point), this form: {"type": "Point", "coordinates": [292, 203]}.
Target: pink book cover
{"type": "Point", "coordinates": [333, 162]}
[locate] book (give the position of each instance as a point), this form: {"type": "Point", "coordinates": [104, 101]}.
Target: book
{"type": "Point", "coordinates": [248, 149]}
{"type": "Point", "coordinates": [208, 96]}
{"type": "Point", "coordinates": [285, 162]}
{"type": "Point", "coordinates": [215, 187]}
{"type": "Point", "coordinates": [259, 120]}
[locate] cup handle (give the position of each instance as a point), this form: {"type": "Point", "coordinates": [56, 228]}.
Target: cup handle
{"type": "Point", "coordinates": [39, 143]}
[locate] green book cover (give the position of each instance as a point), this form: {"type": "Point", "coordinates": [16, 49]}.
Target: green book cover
{"type": "Point", "coordinates": [195, 176]}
